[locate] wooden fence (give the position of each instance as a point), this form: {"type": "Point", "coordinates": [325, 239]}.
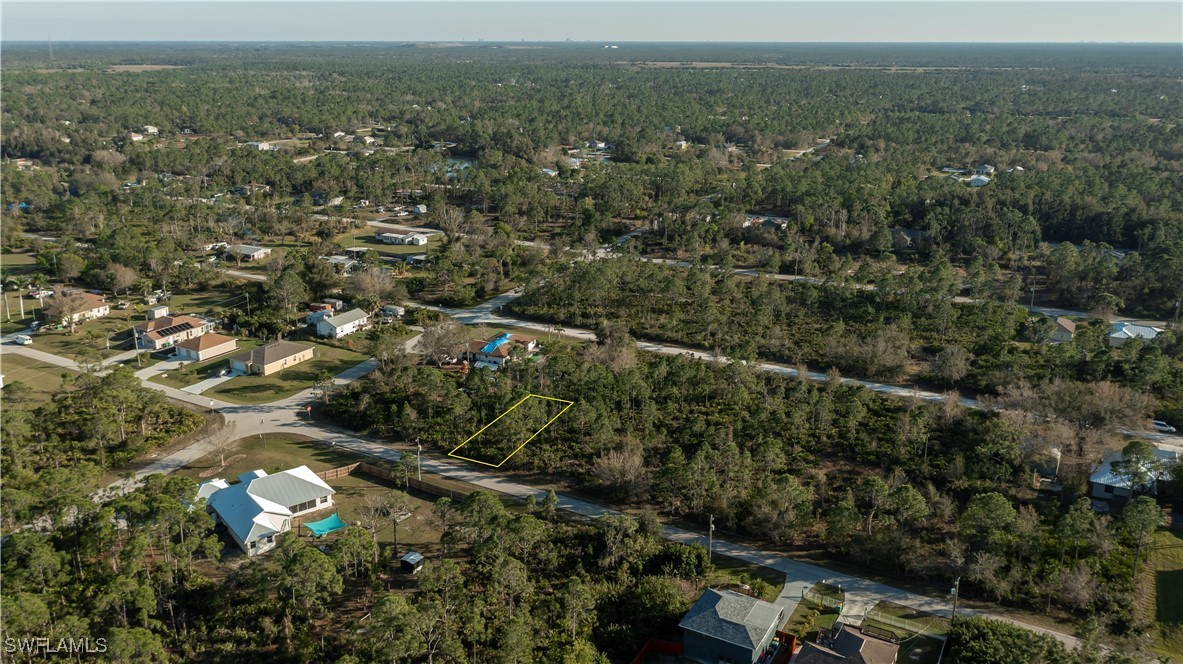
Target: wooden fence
{"type": "Point", "coordinates": [426, 486]}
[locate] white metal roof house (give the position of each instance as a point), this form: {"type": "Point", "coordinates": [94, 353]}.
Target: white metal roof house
{"type": "Point", "coordinates": [417, 239]}
{"type": "Point", "coordinates": [1120, 333]}
{"type": "Point", "coordinates": [979, 181]}
{"type": "Point", "coordinates": [343, 264]}
{"type": "Point", "coordinates": [342, 324]}
{"type": "Point", "coordinates": [261, 506]}
{"type": "Point", "coordinates": [1106, 484]}
{"type": "Point", "coordinates": [248, 252]}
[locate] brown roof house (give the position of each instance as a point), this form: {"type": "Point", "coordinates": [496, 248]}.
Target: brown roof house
{"type": "Point", "coordinates": [168, 331]}
{"type": "Point", "coordinates": [493, 353]}
{"type": "Point", "coordinates": [206, 346]}
{"type": "Point", "coordinates": [266, 360]}
{"type": "Point", "coordinates": [84, 307]}
{"type": "Point", "coordinates": [1065, 330]}
{"type": "Point", "coordinates": [847, 645]}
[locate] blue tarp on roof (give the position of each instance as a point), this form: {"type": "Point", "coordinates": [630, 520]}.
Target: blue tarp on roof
{"type": "Point", "coordinates": [495, 343]}
{"type": "Point", "coordinates": [325, 526]}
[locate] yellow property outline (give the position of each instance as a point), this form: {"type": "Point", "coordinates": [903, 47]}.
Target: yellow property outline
{"type": "Point", "coordinates": [519, 447]}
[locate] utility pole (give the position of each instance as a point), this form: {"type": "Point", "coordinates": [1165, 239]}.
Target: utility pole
{"type": "Point", "coordinates": [419, 459]}
{"type": "Point", "coordinates": [952, 618]}
{"type": "Point", "coordinates": [7, 308]}
{"type": "Point", "coordinates": [711, 540]}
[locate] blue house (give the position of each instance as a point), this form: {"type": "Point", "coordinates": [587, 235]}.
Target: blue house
{"type": "Point", "coordinates": [725, 626]}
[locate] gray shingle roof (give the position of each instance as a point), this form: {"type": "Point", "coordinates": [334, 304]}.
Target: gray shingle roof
{"type": "Point", "coordinates": [272, 352]}
{"type": "Point", "coordinates": [732, 617]}
{"type": "Point", "coordinates": [351, 316]}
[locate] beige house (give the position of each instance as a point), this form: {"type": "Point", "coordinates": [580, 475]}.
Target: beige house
{"type": "Point", "coordinates": [168, 331]}
{"type": "Point", "coordinates": [266, 360]}
{"type": "Point", "coordinates": [206, 346]}
{"type": "Point", "coordinates": [89, 307]}
{"type": "Point", "coordinates": [1065, 330]}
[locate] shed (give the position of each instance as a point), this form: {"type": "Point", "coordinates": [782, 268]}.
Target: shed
{"type": "Point", "coordinates": [412, 562]}
{"type": "Point", "coordinates": [157, 312]}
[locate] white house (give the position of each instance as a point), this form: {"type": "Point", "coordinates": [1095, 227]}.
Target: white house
{"type": "Point", "coordinates": [979, 181]}
{"type": "Point", "coordinates": [261, 506]}
{"type": "Point", "coordinates": [259, 145]}
{"type": "Point", "coordinates": [89, 307]}
{"type": "Point", "coordinates": [1108, 485]}
{"type": "Point", "coordinates": [247, 252]}
{"type": "Point", "coordinates": [494, 353]}
{"type": "Point", "coordinates": [416, 239]}
{"type": "Point", "coordinates": [984, 169]}
{"type": "Point", "coordinates": [342, 324]}
{"type": "Point", "coordinates": [343, 264]}
{"type": "Point", "coordinates": [150, 130]}
{"type": "Point", "coordinates": [1120, 333]}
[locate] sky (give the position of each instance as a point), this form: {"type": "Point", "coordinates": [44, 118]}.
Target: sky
{"type": "Point", "coordinates": [591, 20]}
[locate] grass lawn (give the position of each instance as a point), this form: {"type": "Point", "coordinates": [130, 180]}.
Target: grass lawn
{"type": "Point", "coordinates": [91, 334]}
{"type": "Point", "coordinates": [44, 379]}
{"type": "Point", "coordinates": [264, 389]}
{"type": "Point", "coordinates": [415, 532]}
{"type": "Point", "coordinates": [905, 621]}
{"type": "Point", "coordinates": [732, 570]}
{"type": "Point", "coordinates": [195, 372]}
{"type": "Point", "coordinates": [207, 302]}
{"type": "Point", "coordinates": [19, 323]}
{"type": "Point", "coordinates": [365, 237]}
{"type": "Point", "coordinates": [823, 618]}
{"type": "Point", "coordinates": [1164, 603]}
{"type": "Point", "coordinates": [272, 452]}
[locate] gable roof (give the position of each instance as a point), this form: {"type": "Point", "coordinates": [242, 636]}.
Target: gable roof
{"type": "Point", "coordinates": [258, 504]}
{"type": "Point", "coordinates": [351, 316]}
{"type": "Point", "coordinates": [90, 302]}
{"type": "Point", "coordinates": [244, 249]}
{"type": "Point", "coordinates": [205, 341]}
{"type": "Point", "coordinates": [1066, 324]}
{"type": "Point", "coordinates": [1104, 474]}
{"type": "Point", "coordinates": [729, 616]}
{"type": "Point", "coordinates": [1133, 331]}
{"type": "Point", "coordinates": [272, 352]}
{"type": "Point", "coordinates": [165, 326]}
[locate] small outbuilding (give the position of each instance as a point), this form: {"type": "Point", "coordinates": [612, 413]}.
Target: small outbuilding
{"type": "Point", "coordinates": [412, 562]}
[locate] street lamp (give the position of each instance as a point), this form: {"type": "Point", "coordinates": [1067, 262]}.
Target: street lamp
{"type": "Point", "coordinates": [711, 540]}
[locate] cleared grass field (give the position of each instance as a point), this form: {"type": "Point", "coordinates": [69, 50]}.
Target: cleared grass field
{"type": "Point", "coordinates": [1164, 603]}
{"type": "Point", "coordinates": [44, 379]}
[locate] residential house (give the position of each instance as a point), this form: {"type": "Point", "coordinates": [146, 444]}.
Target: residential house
{"type": "Point", "coordinates": [134, 137]}
{"type": "Point", "coordinates": [1065, 330]}
{"type": "Point", "coordinates": [493, 353]}
{"type": "Point", "coordinates": [725, 626]}
{"type": "Point", "coordinates": [168, 331]}
{"type": "Point", "coordinates": [89, 307]}
{"type": "Point", "coordinates": [1107, 483]}
{"type": "Point", "coordinates": [275, 356]}
{"type": "Point", "coordinates": [356, 253]}
{"type": "Point", "coordinates": [847, 645]}
{"type": "Point", "coordinates": [199, 349]}
{"type": "Point", "coordinates": [149, 130]}
{"type": "Point", "coordinates": [247, 252]}
{"type": "Point", "coordinates": [259, 145]}
{"type": "Point", "coordinates": [979, 181]}
{"type": "Point", "coordinates": [343, 264]}
{"type": "Point", "coordinates": [416, 239]}
{"type": "Point", "coordinates": [340, 325]}
{"type": "Point", "coordinates": [984, 169]}
{"type": "Point", "coordinates": [157, 312]}
{"type": "Point", "coordinates": [260, 506]}
{"type": "Point", "coordinates": [317, 316]}
{"type": "Point", "coordinates": [1120, 333]}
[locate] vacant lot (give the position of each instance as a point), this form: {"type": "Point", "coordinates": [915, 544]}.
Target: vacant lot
{"type": "Point", "coordinates": [1164, 604]}
{"type": "Point", "coordinates": [44, 379]}
{"type": "Point", "coordinates": [108, 336]}
{"type": "Point", "coordinates": [272, 452]}
{"type": "Point", "coordinates": [264, 389]}
{"type": "Point", "coordinates": [503, 437]}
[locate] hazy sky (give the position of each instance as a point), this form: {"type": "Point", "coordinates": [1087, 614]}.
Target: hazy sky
{"type": "Point", "coordinates": [556, 20]}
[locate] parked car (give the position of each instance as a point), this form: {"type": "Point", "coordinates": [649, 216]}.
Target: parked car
{"type": "Point", "coordinates": [39, 293]}
{"type": "Point", "coordinates": [1162, 427]}
{"type": "Point", "coordinates": [35, 325]}
{"type": "Point", "coordinates": [22, 339]}
{"type": "Point", "coordinates": [122, 305]}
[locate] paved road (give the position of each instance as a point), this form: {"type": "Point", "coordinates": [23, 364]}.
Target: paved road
{"type": "Point", "coordinates": [250, 276]}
